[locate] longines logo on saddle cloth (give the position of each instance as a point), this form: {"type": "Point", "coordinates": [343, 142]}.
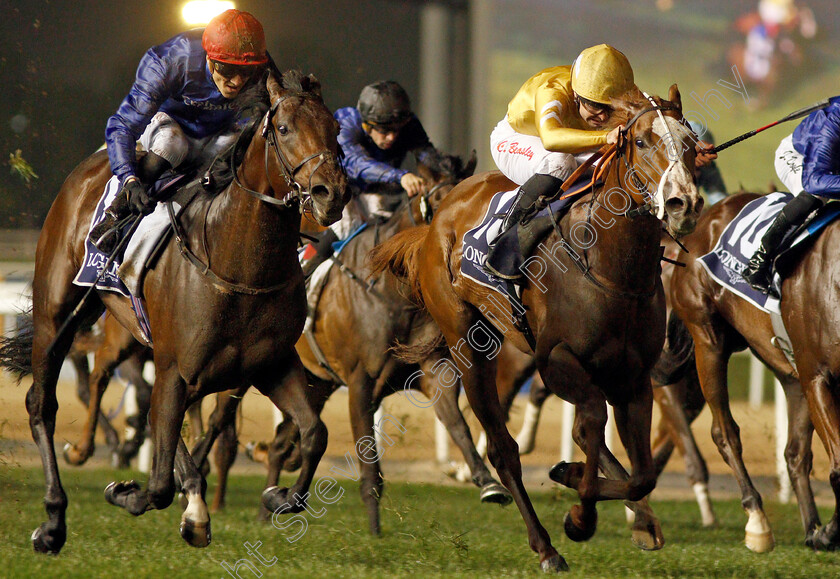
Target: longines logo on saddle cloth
{"type": "Point", "coordinates": [731, 254]}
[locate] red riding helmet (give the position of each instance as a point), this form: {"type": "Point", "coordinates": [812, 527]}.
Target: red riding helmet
{"type": "Point", "coordinates": [235, 37]}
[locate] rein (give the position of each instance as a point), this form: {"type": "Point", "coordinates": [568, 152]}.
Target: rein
{"type": "Point", "coordinates": [604, 160]}
{"type": "Point", "coordinates": [296, 197]}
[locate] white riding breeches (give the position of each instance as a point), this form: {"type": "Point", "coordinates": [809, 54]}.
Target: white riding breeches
{"type": "Point", "coordinates": [165, 138]}
{"type": "Point", "coordinates": [520, 156]}
{"type": "Point", "coordinates": [788, 163]}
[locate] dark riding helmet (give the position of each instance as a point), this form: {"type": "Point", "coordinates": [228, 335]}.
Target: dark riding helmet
{"type": "Point", "coordinates": [384, 104]}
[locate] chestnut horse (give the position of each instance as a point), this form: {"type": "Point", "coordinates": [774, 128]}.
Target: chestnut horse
{"type": "Point", "coordinates": [597, 334]}
{"type": "Point", "coordinates": [234, 320]}
{"type": "Point", "coordinates": [721, 322]}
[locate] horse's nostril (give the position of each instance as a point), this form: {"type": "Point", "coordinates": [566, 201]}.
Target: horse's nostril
{"type": "Point", "coordinates": [675, 205]}
{"type": "Point", "coordinates": [698, 205]}
{"type": "Point", "coordinates": [320, 191]}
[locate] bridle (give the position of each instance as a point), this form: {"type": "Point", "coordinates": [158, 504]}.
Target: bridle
{"type": "Point", "coordinates": [656, 201]}
{"type": "Point", "coordinates": [297, 195]}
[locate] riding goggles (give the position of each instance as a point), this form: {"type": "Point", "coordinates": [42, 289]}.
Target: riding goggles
{"type": "Point", "coordinates": [229, 71]}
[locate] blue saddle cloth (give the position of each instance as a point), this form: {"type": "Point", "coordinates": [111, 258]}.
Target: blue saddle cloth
{"type": "Point", "coordinates": [477, 241]}
{"type": "Point", "coordinates": [95, 260]}
{"type": "Point", "coordinates": [739, 240]}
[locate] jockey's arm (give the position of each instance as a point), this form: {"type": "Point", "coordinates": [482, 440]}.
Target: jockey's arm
{"type": "Point", "coordinates": [554, 119]}
{"type": "Point", "coordinates": [149, 91]}
{"type": "Point", "coordinates": [820, 169]}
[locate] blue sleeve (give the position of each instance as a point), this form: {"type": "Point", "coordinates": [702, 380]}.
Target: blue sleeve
{"type": "Point", "coordinates": [820, 170]}
{"type": "Point", "coordinates": [151, 88]}
{"type": "Point", "coordinates": [357, 161]}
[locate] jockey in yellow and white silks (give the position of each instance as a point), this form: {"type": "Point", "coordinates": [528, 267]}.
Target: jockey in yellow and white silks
{"type": "Point", "coordinates": [558, 113]}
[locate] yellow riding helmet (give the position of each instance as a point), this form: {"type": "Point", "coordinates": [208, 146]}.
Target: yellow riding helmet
{"type": "Point", "coordinates": [600, 73]}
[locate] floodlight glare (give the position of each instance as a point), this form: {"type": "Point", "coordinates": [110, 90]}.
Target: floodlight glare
{"type": "Point", "coordinates": [203, 11]}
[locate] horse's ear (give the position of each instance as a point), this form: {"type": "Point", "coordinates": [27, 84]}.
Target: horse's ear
{"type": "Point", "coordinates": [315, 85]}
{"type": "Point", "coordinates": [273, 86]}
{"type": "Point", "coordinates": [674, 96]}
{"type": "Point", "coordinates": [469, 168]}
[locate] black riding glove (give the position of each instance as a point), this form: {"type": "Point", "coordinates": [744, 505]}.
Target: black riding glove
{"type": "Point", "coordinates": [139, 200]}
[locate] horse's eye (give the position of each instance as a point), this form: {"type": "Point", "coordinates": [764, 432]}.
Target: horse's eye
{"type": "Point", "coordinates": [640, 143]}
{"type": "Point", "coordinates": [282, 129]}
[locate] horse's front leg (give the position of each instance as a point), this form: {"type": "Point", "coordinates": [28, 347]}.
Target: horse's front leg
{"type": "Point", "coordinates": [195, 520]}
{"type": "Point", "coordinates": [292, 396]}
{"type": "Point", "coordinates": [165, 419]}
{"type": "Point", "coordinates": [448, 412]}
{"type": "Point", "coordinates": [633, 420]}
{"type": "Point", "coordinates": [91, 394]}
{"type": "Point", "coordinates": [478, 375]}
{"type": "Point", "coordinates": [711, 368]}
{"type": "Point", "coordinates": [362, 408]}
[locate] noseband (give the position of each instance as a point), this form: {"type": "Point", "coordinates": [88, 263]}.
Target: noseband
{"type": "Point", "coordinates": [297, 195]}
{"type": "Point", "coordinates": [656, 201]}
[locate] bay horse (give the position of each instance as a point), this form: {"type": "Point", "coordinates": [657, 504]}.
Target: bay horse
{"type": "Point", "coordinates": [235, 320]}
{"type": "Point", "coordinates": [597, 334]}
{"type": "Point", "coordinates": [380, 318]}
{"type": "Point", "coordinates": [720, 323]}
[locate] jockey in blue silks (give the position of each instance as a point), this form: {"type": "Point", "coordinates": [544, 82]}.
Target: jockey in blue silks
{"type": "Point", "coordinates": [184, 104]}
{"type": "Point", "coordinates": [808, 163]}
{"type": "Point", "coordinates": [376, 136]}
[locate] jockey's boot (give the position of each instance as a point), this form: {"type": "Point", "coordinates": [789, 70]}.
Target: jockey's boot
{"type": "Point", "coordinates": [539, 185]}
{"type": "Point", "coordinates": [759, 271]}
{"type": "Point", "coordinates": [323, 251]}
{"type": "Point", "coordinates": [105, 234]}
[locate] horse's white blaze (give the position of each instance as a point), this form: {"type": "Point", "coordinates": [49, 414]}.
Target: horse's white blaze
{"type": "Point", "coordinates": [526, 436]}
{"type": "Point", "coordinates": [707, 514]}
{"type": "Point", "coordinates": [196, 511]}
{"type": "Point", "coordinates": [674, 135]}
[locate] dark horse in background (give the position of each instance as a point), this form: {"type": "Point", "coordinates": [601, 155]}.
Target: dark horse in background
{"type": "Point", "coordinates": [598, 332]}
{"type": "Point", "coordinates": [232, 322]}
{"type": "Point", "coordinates": [720, 323]}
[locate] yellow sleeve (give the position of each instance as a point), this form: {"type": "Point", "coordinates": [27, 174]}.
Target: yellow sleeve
{"type": "Point", "coordinates": [558, 127]}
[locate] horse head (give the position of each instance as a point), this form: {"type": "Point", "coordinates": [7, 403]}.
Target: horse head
{"type": "Point", "coordinates": [658, 151]}
{"type": "Point", "coordinates": [303, 135]}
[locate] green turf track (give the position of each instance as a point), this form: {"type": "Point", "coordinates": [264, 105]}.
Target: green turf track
{"type": "Point", "coordinates": [427, 531]}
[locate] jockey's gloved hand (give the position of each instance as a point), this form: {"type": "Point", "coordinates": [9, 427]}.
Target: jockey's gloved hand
{"type": "Point", "coordinates": [139, 200]}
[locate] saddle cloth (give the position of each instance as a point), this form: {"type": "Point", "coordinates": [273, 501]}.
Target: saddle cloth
{"type": "Point", "coordinates": [125, 274]}
{"type": "Point", "coordinates": [739, 240]}
{"type": "Point", "coordinates": [477, 241]}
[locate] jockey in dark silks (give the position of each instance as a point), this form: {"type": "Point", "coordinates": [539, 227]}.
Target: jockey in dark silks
{"type": "Point", "coordinates": [808, 163]}
{"type": "Point", "coordinates": [376, 136]}
{"type": "Point", "coordinates": [185, 103]}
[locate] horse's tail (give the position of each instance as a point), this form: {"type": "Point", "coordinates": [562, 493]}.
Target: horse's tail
{"type": "Point", "coordinates": [399, 255]}
{"type": "Point", "coordinates": [16, 351]}
{"type": "Point", "coordinates": [677, 355]}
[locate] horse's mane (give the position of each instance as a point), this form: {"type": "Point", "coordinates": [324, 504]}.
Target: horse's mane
{"type": "Point", "coordinates": [253, 103]}
{"type": "Point", "coordinates": [627, 105]}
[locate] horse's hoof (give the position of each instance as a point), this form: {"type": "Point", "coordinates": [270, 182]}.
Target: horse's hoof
{"type": "Point", "coordinates": [578, 534]}
{"type": "Point", "coordinates": [43, 543]}
{"type": "Point", "coordinates": [257, 451]}
{"type": "Point", "coordinates": [276, 499]}
{"type": "Point", "coordinates": [818, 540]}
{"type": "Point", "coordinates": [495, 493]}
{"type": "Point", "coordinates": [760, 542]}
{"type": "Point", "coordinates": [648, 539]}
{"type": "Point", "coordinates": [558, 472]}
{"type": "Point", "coordinates": [72, 456]}
{"type": "Point", "coordinates": [196, 534]}
{"type": "Point", "coordinates": [554, 564]}
{"type": "Point", "coordinates": [114, 492]}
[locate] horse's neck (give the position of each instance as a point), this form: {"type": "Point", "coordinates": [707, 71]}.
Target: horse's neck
{"type": "Point", "coordinates": [626, 250]}
{"type": "Point", "coordinates": [248, 240]}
